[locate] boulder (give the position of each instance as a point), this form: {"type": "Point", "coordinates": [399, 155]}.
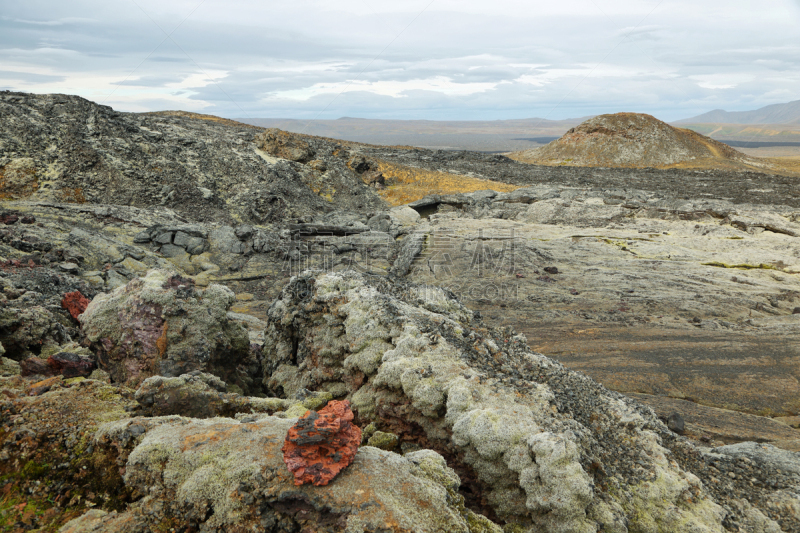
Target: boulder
{"type": "Point", "coordinates": [220, 475]}
{"type": "Point", "coordinates": [162, 324]}
{"type": "Point", "coordinates": [9, 367]}
{"type": "Point", "coordinates": [71, 365]}
{"type": "Point", "coordinates": [63, 363]}
{"type": "Point", "coordinates": [26, 330]}
{"type": "Point", "coordinates": [201, 395]}
{"type": "Point", "coordinates": [321, 444]}
{"type": "Point", "coordinates": [280, 144]}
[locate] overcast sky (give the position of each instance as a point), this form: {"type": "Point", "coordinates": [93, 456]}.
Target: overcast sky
{"type": "Point", "coordinates": [421, 59]}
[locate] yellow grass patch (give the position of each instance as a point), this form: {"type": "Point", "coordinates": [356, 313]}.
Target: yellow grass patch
{"type": "Point", "coordinates": [789, 164]}
{"type": "Point", "coordinates": [408, 184]}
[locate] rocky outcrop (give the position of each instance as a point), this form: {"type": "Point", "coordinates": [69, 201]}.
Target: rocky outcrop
{"type": "Point", "coordinates": [202, 395]}
{"type": "Point", "coordinates": [66, 149]}
{"type": "Point", "coordinates": [536, 446]}
{"type": "Point", "coordinates": [223, 475]}
{"type": "Point", "coordinates": [642, 278]}
{"type": "Point", "coordinates": [162, 324]}
{"type": "Point", "coordinates": [492, 433]}
{"type": "Point", "coordinates": [284, 145]}
{"type": "Point", "coordinates": [632, 140]}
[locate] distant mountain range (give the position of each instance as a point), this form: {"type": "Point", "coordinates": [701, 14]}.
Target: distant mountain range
{"type": "Point", "coordinates": [480, 135]}
{"type": "Point", "coordinates": [773, 125]}
{"type": "Point", "coordinates": [788, 113]}
{"type": "Point", "coordinates": [348, 125]}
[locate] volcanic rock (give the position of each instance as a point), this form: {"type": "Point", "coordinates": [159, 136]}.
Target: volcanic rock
{"type": "Point", "coordinates": [538, 446]}
{"type": "Point", "coordinates": [92, 154]}
{"type": "Point", "coordinates": [178, 469]}
{"type": "Point", "coordinates": [162, 324]}
{"type": "Point", "coordinates": [35, 366]}
{"type": "Point", "coordinates": [202, 395]}
{"type": "Point", "coordinates": [9, 367]}
{"type": "Point", "coordinates": [321, 444]}
{"type": "Point", "coordinates": [286, 146]}
{"type": "Point", "coordinates": [672, 282]}
{"type": "Point", "coordinates": [27, 330]}
{"type": "Point", "coordinates": [631, 140]}
{"type": "Point", "coordinates": [71, 365]}
{"type": "Point", "coordinates": [75, 303]}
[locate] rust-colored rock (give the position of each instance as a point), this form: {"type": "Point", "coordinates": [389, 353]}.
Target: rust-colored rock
{"type": "Point", "coordinates": [75, 303]}
{"type": "Point", "coordinates": [321, 444]}
{"type": "Point", "coordinates": [35, 366]}
{"type": "Point", "coordinates": [66, 364]}
{"type": "Point", "coordinates": [71, 365]}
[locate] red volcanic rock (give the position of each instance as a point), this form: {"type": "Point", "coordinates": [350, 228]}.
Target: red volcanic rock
{"type": "Point", "coordinates": [34, 366]}
{"type": "Point", "coordinates": [70, 365]}
{"type": "Point", "coordinates": [66, 364]}
{"type": "Point", "coordinates": [75, 303]}
{"type": "Point", "coordinates": [321, 444]}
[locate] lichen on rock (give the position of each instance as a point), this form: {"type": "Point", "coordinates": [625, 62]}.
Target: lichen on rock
{"type": "Point", "coordinates": [162, 324]}
{"type": "Point", "coordinates": [537, 446]}
{"type": "Point", "coordinates": [230, 476]}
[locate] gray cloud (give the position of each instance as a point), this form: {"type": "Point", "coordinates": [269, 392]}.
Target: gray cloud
{"type": "Point", "coordinates": [456, 60]}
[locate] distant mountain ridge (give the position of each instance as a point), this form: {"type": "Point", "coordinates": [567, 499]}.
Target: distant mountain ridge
{"type": "Point", "coordinates": [478, 135]}
{"type": "Point", "coordinates": [350, 125]}
{"type": "Point", "coordinates": [788, 113]}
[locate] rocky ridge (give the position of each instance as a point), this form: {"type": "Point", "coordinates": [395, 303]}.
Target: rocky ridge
{"type": "Point", "coordinates": [66, 149]}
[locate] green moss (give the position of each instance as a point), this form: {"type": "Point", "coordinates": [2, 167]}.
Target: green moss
{"type": "Point", "coordinates": [384, 441]}
{"type": "Point", "coordinates": [108, 394]}
{"type": "Point", "coordinates": [367, 432]}
{"type": "Point", "coordinates": [514, 528]}
{"type": "Point", "coordinates": [318, 401]}
{"type": "Point", "coordinates": [742, 266]}
{"type": "Point", "coordinates": [269, 405]}
{"type": "Point", "coordinates": [477, 523]}
{"type": "Point", "coordinates": [34, 470]}
{"type": "Point", "coordinates": [296, 411]}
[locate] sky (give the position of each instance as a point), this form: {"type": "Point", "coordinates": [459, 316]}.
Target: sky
{"type": "Point", "coordinates": [410, 59]}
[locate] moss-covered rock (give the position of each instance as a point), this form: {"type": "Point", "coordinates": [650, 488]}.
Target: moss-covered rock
{"type": "Point", "coordinates": [51, 468]}
{"type": "Point", "coordinates": [162, 324]}
{"type": "Point", "coordinates": [532, 441]}
{"type": "Point", "coordinates": [384, 441]}
{"type": "Point", "coordinates": [229, 476]}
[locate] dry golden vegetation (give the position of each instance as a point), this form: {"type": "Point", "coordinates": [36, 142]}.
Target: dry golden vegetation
{"type": "Point", "coordinates": [407, 184]}
{"type": "Point", "coordinates": [789, 165]}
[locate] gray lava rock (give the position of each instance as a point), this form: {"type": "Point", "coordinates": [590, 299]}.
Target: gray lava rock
{"type": "Point", "coordinates": [531, 439]}
{"type": "Point", "coordinates": [675, 423]}
{"type": "Point", "coordinates": [162, 325]}
{"type": "Point", "coordinates": [764, 453]}
{"type": "Point", "coordinates": [410, 247]}
{"type": "Point", "coordinates": [238, 469]}
{"type": "Point", "coordinates": [206, 170]}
